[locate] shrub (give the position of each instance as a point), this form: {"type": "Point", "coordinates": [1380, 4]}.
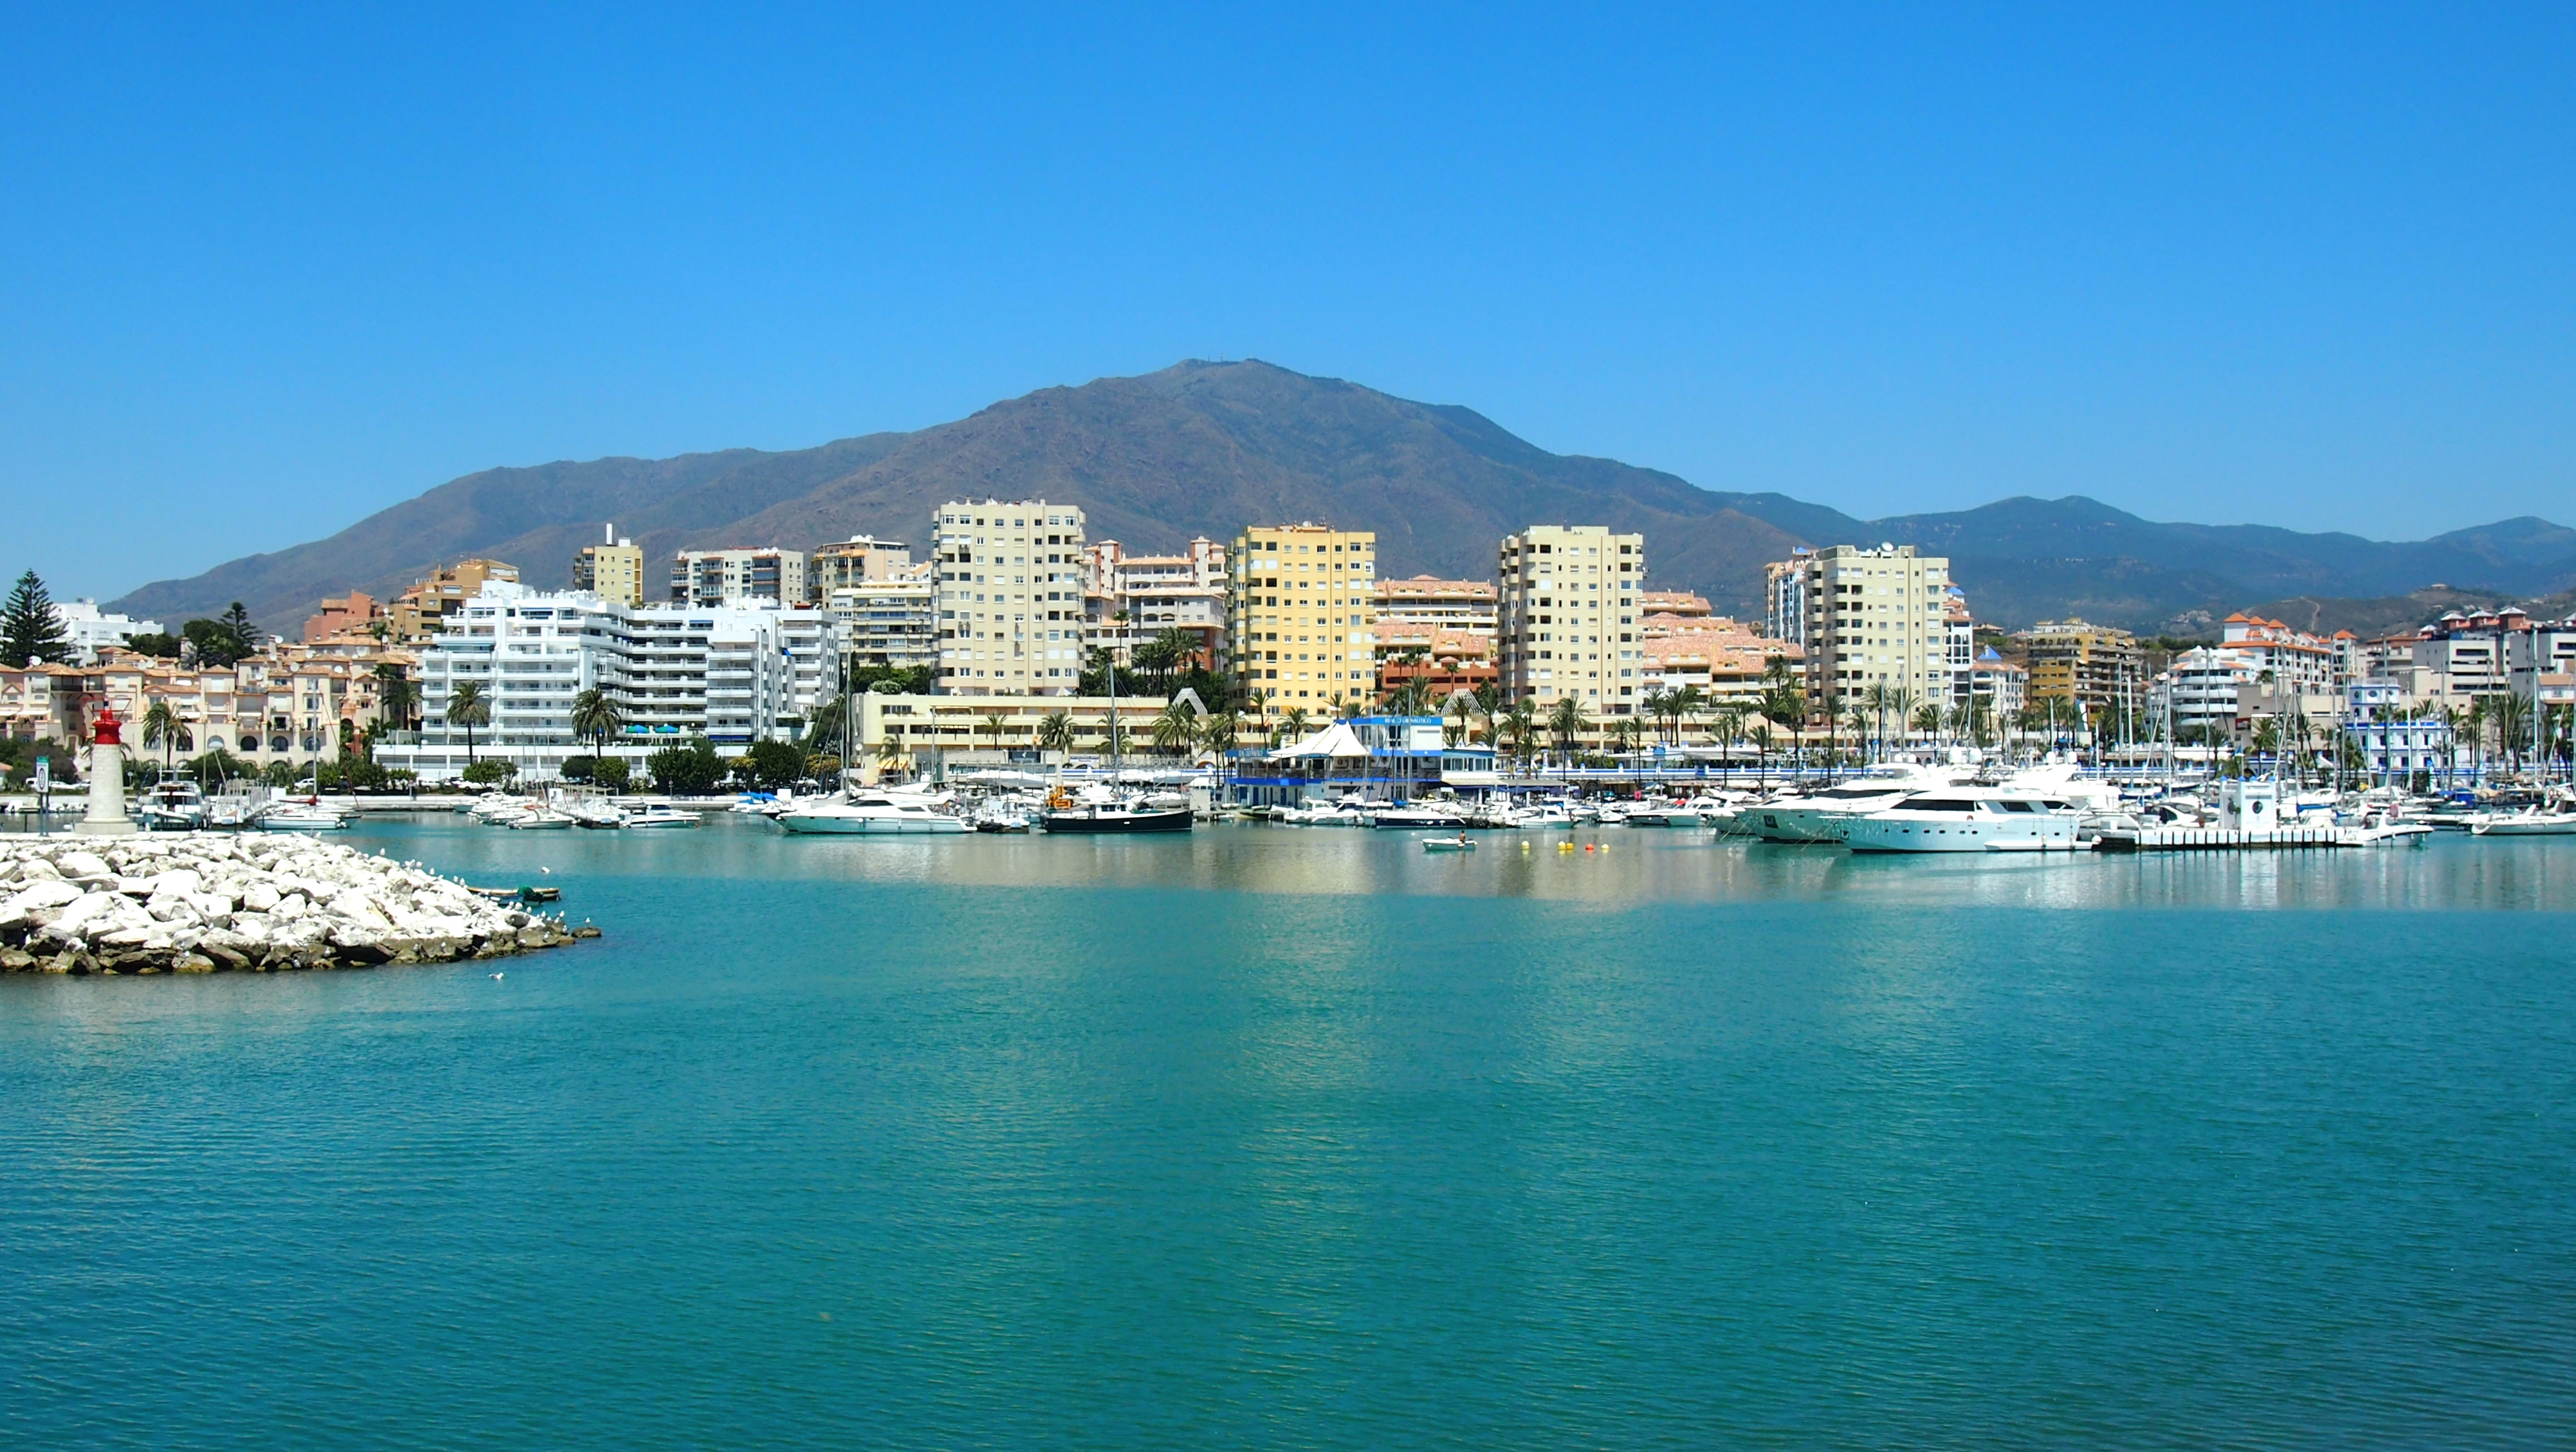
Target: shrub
{"type": "Point", "coordinates": [612, 773]}
{"type": "Point", "coordinates": [690, 769]}
{"type": "Point", "coordinates": [490, 773]}
{"type": "Point", "coordinates": [774, 764]}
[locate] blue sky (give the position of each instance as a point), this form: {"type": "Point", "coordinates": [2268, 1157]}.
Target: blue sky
{"type": "Point", "coordinates": [265, 271]}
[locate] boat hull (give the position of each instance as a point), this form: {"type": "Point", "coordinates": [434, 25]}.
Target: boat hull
{"type": "Point", "coordinates": [1117, 823]}
{"type": "Point", "coordinates": [875, 826]}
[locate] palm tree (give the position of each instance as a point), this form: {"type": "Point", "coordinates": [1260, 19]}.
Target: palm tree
{"type": "Point", "coordinates": [1858, 720]}
{"type": "Point", "coordinates": [467, 707]}
{"type": "Point", "coordinates": [1519, 726]}
{"type": "Point", "coordinates": [1726, 722]}
{"type": "Point", "coordinates": [1217, 732]}
{"type": "Point", "coordinates": [161, 727]}
{"type": "Point", "coordinates": [1566, 722]}
{"type": "Point", "coordinates": [1761, 734]}
{"type": "Point", "coordinates": [395, 694]}
{"type": "Point", "coordinates": [1406, 699]}
{"type": "Point", "coordinates": [1624, 733]}
{"type": "Point", "coordinates": [1292, 726]}
{"type": "Point", "coordinates": [1177, 729]}
{"type": "Point", "coordinates": [994, 724]}
{"type": "Point", "coordinates": [890, 752]}
{"type": "Point", "coordinates": [1927, 719]}
{"type": "Point", "coordinates": [1055, 732]}
{"type": "Point", "coordinates": [1462, 706]}
{"type": "Point", "coordinates": [1658, 705]}
{"type": "Point", "coordinates": [1688, 701]}
{"type": "Point", "coordinates": [596, 717]}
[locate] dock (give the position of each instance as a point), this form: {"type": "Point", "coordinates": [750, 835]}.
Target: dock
{"type": "Point", "coordinates": [2224, 839]}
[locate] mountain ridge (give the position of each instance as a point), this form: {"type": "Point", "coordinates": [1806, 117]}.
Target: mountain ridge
{"type": "Point", "coordinates": [1207, 447]}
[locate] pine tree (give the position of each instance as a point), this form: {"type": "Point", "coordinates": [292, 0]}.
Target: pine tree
{"type": "Point", "coordinates": [29, 629]}
{"type": "Point", "coordinates": [238, 621]}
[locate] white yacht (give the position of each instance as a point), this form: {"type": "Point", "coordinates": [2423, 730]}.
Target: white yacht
{"type": "Point", "coordinates": [1813, 817]}
{"type": "Point", "coordinates": [869, 812]}
{"type": "Point", "coordinates": [299, 817]}
{"type": "Point", "coordinates": [2553, 818]}
{"type": "Point", "coordinates": [660, 818]}
{"type": "Point", "coordinates": [1419, 814]}
{"type": "Point", "coordinates": [1966, 819]}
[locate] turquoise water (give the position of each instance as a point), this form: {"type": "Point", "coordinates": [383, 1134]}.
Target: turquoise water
{"type": "Point", "coordinates": [1306, 1138]}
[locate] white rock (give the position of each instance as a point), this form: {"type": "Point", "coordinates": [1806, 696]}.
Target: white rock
{"type": "Point", "coordinates": [77, 917]}
{"type": "Point", "coordinates": [50, 892]}
{"type": "Point", "coordinates": [259, 897]}
{"type": "Point", "coordinates": [77, 863]}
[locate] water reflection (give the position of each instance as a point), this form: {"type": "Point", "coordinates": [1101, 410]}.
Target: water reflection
{"type": "Point", "coordinates": [1606, 867]}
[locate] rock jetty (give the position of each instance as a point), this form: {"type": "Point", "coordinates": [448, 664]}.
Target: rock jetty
{"type": "Point", "coordinates": [212, 903]}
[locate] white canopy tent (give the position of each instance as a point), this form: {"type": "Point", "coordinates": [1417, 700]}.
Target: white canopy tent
{"type": "Point", "coordinates": [1337, 742]}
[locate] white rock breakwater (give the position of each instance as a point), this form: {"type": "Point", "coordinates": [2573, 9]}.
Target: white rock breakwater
{"type": "Point", "coordinates": [211, 903]}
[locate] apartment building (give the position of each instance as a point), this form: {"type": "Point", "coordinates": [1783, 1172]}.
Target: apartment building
{"type": "Point", "coordinates": [1427, 600]}
{"type": "Point", "coordinates": [906, 732]}
{"type": "Point", "coordinates": [1569, 613]}
{"type": "Point", "coordinates": [286, 704]}
{"type": "Point", "coordinates": [1871, 617]}
{"type": "Point", "coordinates": [2096, 666]}
{"type": "Point", "coordinates": [2309, 664]}
{"type": "Point", "coordinates": [862, 559]}
{"type": "Point", "coordinates": [350, 617]}
{"type": "Point", "coordinates": [1131, 599]}
{"type": "Point", "coordinates": [1441, 659]}
{"type": "Point", "coordinates": [613, 569]}
{"type": "Point", "coordinates": [2005, 686]}
{"type": "Point", "coordinates": [891, 623]}
{"type": "Point", "coordinates": [1787, 594]}
{"type": "Point", "coordinates": [709, 578]}
{"type": "Point", "coordinates": [92, 632]}
{"type": "Point", "coordinates": [1726, 666]}
{"type": "Point", "coordinates": [1959, 638]}
{"type": "Point", "coordinates": [2198, 694]}
{"type": "Point", "coordinates": [1302, 616]}
{"type": "Point", "coordinates": [734, 674]}
{"type": "Point", "coordinates": [1009, 597]}
{"type": "Point", "coordinates": [421, 612]}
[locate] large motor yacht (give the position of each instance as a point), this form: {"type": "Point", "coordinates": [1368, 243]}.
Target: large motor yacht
{"type": "Point", "coordinates": [1814, 817]}
{"type": "Point", "coordinates": [1967, 819]}
{"type": "Point", "coordinates": [869, 812]}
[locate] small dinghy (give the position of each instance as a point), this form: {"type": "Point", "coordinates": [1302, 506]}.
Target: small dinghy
{"type": "Point", "coordinates": [1458, 843]}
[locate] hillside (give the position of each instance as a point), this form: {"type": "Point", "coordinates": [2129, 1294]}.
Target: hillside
{"type": "Point", "coordinates": [1204, 448]}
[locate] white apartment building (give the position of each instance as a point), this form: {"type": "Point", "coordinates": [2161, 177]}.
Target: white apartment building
{"type": "Point", "coordinates": [707, 578]}
{"type": "Point", "coordinates": [1960, 639]}
{"type": "Point", "coordinates": [2198, 692]}
{"type": "Point", "coordinates": [2310, 664]}
{"type": "Point", "coordinates": [1788, 596]}
{"type": "Point", "coordinates": [91, 632]}
{"type": "Point", "coordinates": [1009, 597]}
{"type": "Point", "coordinates": [733, 674]}
{"type": "Point", "coordinates": [1568, 617]}
{"type": "Point", "coordinates": [1874, 617]}
{"type": "Point", "coordinates": [891, 623]}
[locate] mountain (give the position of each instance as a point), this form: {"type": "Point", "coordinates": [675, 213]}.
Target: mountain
{"type": "Point", "coordinates": [1205, 448]}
